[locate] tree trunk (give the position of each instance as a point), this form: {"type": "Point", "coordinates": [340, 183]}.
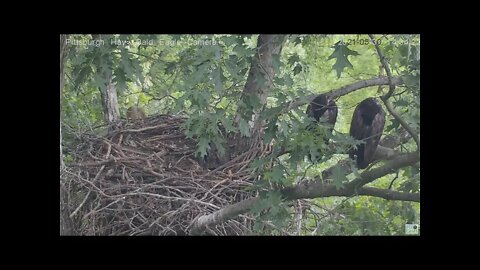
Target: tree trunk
{"type": "Point", "coordinates": [110, 102]}
{"type": "Point", "coordinates": [259, 82]}
{"type": "Point", "coordinates": [66, 224]}
{"type": "Point", "coordinates": [109, 94]}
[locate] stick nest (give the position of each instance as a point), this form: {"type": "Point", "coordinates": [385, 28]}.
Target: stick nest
{"type": "Point", "coordinates": [143, 179]}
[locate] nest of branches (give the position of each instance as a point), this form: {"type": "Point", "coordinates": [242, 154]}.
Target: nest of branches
{"type": "Point", "coordinates": [144, 179]}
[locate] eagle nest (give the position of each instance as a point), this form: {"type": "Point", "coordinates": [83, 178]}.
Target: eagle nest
{"type": "Point", "coordinates": [144, 179]}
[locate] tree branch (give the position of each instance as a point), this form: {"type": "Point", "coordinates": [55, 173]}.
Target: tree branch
{"type": "Point", "coordinates": [385, 150]}
{"type": "Point", "coordinates": [389, 194]}
{"type": "Point", "coordinates": [222, 215]}
{"type": "Point", "coordinates": [317, 189]}
{"type": "Point", "coordinates": [385, 66]}
{"type": "Point", "coordinates": [342, 91]}
{"type": "Point", "coordinates": [392, 141]}
{"type": "Point", "coordinates": [389, 94]}
{"type": "Point", "coordinates": [404, 124]}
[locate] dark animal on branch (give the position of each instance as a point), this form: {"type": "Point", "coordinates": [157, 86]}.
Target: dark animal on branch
{"type": "Point", "coordinates": [324, 110]}
{"type": "Point", "coordinates": [367, 125]}
{"type": "Point", "coordinates": [322, 107]}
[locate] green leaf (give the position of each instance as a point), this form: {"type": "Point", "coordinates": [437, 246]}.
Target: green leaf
{"type": "Point", "coordinates": [138, 69]}
{"type": "Point", "coordinates": [293, 59]}
{"type": "Point", "coordinates": [281, 97]}
{"type": "Point", "coordinates": [274, 197]}
{"type": "Point", "coordinates": [220, 147]}
{"type": "Point", "coordinates": [277, 174]}
{"type": "Point", "coordinates": [288, 80]}
{"type": "Point", "coordinates": [200, 73]}
{"type": "Point", "coordinates": [170, 67]}
{"type": "Point", "coordinates": [120, 80]}
{"type": "Point", "coordinates": [401, 103]}
{"type": "Point", "coordinates": [100, 81]}
{"type": "Point", "coordinates": [341, 54]}
{"type": "Point", "coordinates": [217, 79]}
{"type": "Point", "coordinates": [339, 177]}
{"type": "Point", "coordinates": [271, 131]}
{"type": "Point", "coordinates": [202, 146]}
{"type": "Point", "coordinates": [229, 40]}
{"type": "Point", "coordinates": [81, 75]}
{"type": "Point", "coordinates": [200, 98]}
{"type": "Point", "coordinates": [297, 70]}
{"type": "Point", "coordinates": [297, 40]}
{"type": "Point", "coordinates": [227, 123]}
{"type": "Point", "coordinates": [258, 163]}
{"type": "Point", "coordinates": [244, 127]}
{"type": "Point", "coordinates": [243, 51]}
{"type": "Point", "coordinates": [279, 81]}
{"type": "Point", "coordinates": [232, 67]}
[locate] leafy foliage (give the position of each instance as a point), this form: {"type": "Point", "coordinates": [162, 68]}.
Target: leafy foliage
{"type": "Point", "coordinates": [179, 74]}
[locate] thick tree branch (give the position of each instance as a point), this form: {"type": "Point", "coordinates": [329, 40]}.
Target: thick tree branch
{"type": "Point", "coordinates": [390, 167]}
{"type": "Point", "coordinates": [317, 189]}
{"type": "Point", "coordinates": [385, 150]}
{"type": "Point", "coordinates": [342, 91]}
{"type": "Point", "coordinates": [222, 215]}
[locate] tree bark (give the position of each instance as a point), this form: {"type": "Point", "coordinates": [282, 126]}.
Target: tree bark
{"type": "Point", "coordinates": [110, 102]}
{"type": "Point", "coordinates": [259, 82]}
{"type": "Point", "coordinates": [109, 94]}
{"type": "Point", "coordinates": [66, 224]}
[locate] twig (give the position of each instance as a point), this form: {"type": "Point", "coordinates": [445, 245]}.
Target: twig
{"type": "Point", "coordinates": [81, 204]}
{"type": "Point", "coordinates": [395, 178]}
{"type": "Point", "coordinates": [390, 92]}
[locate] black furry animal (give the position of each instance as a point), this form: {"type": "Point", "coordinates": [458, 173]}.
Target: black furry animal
{"type": "Point", "coordinates": [367, 125]}
{"type": "Point", "coordinates": [322, 109]}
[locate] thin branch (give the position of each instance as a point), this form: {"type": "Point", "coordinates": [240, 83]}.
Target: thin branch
{"type": "Point", "coordinates": [389, 94]}
{"type": "Point", "coordinates": [404, 124]}
{"type": "Point", "coordinates": [385, 66]}
{"type": "Point", "coordinates": [390, 167]}
{"type": "Point", "coordinates": [391, 183]}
